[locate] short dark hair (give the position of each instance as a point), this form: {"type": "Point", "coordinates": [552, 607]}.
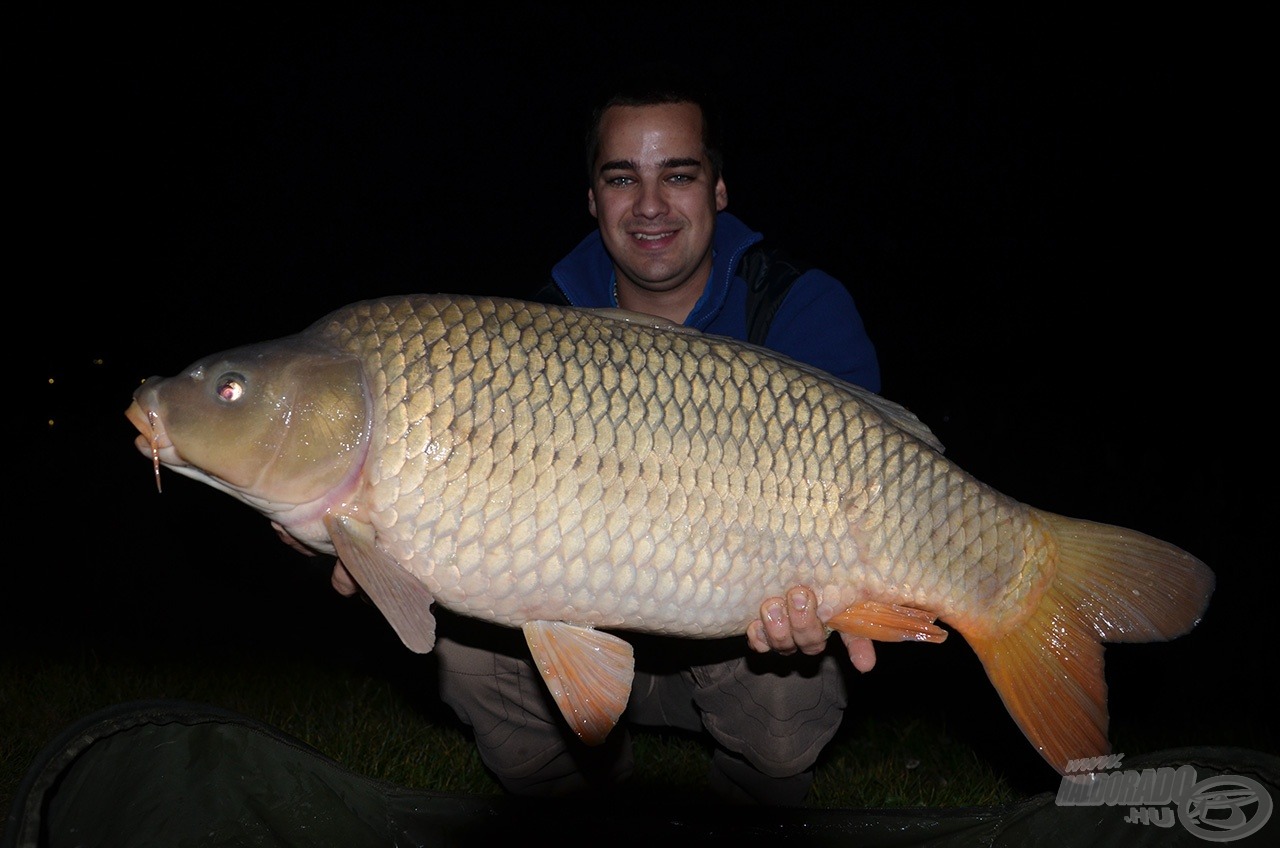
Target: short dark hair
{"type": "Point", "coordinates": [654, 86]}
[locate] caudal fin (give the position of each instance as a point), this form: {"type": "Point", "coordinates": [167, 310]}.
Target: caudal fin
{"type": "Point", "coordinates": [1110, 585]}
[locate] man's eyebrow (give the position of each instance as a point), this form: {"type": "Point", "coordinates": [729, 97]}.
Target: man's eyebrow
{"type": "Point", "coordinates": [618, 165]}
{"type": "Point", "coordinates": [629, 165]}
{"type": "Point", "coordinates": [682, 162]}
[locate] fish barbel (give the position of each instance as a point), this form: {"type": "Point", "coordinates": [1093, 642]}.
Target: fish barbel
{"type": "Point", "coordinates": [583, 473]}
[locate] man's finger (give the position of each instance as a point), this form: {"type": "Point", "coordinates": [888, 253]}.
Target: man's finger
{"type": "Point", "coordinates": [342, 580]}
{"type": "Point", "coordinates": [861, 651]}
{"type": "Point", "coordinates": [807, 633]}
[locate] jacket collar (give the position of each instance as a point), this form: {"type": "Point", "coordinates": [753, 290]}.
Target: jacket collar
{"type": "Point", "coordinates": [585, 275]}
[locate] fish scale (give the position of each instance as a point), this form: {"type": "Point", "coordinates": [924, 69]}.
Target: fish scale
{"type": "Point", "coordinates": [764, 513]}
{"type": "Point", "coordinates": [584, 473]}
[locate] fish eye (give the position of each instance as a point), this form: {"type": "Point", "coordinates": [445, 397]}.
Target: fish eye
{"type": "Point", "coordinates": [230, 387]}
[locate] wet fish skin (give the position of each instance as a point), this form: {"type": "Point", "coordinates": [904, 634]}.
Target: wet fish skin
{"type": "Point", "coordinates": [566, 470]}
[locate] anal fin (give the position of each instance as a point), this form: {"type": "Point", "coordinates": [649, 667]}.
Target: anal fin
{"type": "Point", "coordinates": [888, 623]}
{"type": "Point", "coordinates": [587, 671]}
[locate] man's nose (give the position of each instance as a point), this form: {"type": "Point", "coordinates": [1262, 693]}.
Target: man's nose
{"type": "Point", "coordinates": [651, 202]}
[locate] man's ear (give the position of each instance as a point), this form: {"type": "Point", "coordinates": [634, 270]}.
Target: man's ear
{"type": "Point", "coordinates": [722, 195]}
{"type": "Point", "coordinates": [591, 203]}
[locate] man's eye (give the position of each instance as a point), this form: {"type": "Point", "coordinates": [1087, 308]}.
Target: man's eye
{"type": "Point", "coordinates": [619, 182]}
{"type": "Point", "coordinates": [681, 179]}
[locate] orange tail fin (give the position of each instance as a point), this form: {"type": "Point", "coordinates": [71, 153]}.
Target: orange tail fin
{"type": "Point", "coordinates": [1110, 585]}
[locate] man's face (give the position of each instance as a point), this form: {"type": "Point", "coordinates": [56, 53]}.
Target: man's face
{"type": "Point", "coordinates": [653, 195]}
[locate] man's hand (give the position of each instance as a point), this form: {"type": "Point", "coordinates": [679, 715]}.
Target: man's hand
{"type": "Point", "coordinates": [791, 624]}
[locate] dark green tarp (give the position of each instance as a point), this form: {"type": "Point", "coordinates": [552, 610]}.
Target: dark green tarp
{"type": "Point", "coordinates": [176, 774]}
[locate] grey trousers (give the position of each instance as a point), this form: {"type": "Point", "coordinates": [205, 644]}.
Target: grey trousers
{"type": "Point", "coordinates": [770, 716]}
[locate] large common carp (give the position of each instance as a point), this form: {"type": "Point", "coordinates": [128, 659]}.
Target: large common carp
{"type": "Point", "coordinates": [574, 472]}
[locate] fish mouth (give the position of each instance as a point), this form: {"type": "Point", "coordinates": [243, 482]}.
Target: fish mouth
{"type": "Point", "coordinates": [152, 440]}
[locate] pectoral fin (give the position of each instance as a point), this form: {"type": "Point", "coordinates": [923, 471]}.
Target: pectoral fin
{"type": "Point", "coordinates": [398, 595]}
{"type": "Point", "coordinates": [888, 623]}
{"type": "Point", "coordinates": [588, 672]}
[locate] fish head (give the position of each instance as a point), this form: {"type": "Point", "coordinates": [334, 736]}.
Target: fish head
{"type": "Point", "coordinates": [282, 426]}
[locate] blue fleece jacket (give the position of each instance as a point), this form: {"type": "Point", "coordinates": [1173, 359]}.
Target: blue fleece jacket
{"type": "Point", "coordinates": [816, 323]}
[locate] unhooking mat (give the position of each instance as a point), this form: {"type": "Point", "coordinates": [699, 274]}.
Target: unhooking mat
{"type": "Point", "coordinates": [177, 774]}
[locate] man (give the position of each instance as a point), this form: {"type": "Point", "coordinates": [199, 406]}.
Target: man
{"type": "Point", "coordinates": [664, 246]}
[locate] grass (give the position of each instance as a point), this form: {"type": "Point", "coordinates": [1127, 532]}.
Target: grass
{"type": "Point", "coordinates": [384, 723]}
{"type": "Point", "coordinates": [925, 730]}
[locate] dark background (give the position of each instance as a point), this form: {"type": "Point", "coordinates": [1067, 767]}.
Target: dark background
{"type": "Point", "coordinates": [1045, 217]}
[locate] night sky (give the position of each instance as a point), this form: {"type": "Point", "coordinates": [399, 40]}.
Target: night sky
{"type": "Point", "coordinates": [1038, 215]}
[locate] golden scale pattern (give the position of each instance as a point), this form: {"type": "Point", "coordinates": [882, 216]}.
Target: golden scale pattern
{"type": "Point", "coordinates": [514, 439]}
